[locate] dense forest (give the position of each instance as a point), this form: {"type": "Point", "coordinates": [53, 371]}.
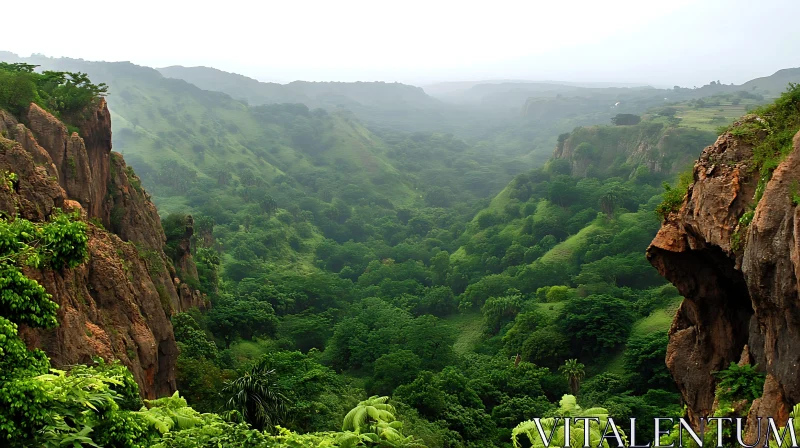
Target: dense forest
{"type": "Point", "coordinates": [383, 268]}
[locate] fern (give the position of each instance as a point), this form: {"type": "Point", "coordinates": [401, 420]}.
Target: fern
{"type": "Point", "coordinates": [168, 413]}
{"type": "Point", "coordinates": [553, 427]}
{"type": "Point", "coordinates": [740, 383]}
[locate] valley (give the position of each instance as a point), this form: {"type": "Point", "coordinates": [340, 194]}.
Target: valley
{"type": "Point", "coordinates": [287, 256]}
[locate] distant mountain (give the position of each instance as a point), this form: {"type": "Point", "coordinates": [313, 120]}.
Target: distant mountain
{"type": "Point", "coordinates": [393, 106]}
{"type": "Point", "coordinates": [238, 86]}
{"type": "Point", "coordinates": [313, 94]}
{"type": "Point", "coordinates": [484, 91]}
{"type": "Point", "coordinates": [774, 84]}
{"type": "Point", "coordinates": [768, 86]}
{"type": "Point", "coordinates": [177, 136]}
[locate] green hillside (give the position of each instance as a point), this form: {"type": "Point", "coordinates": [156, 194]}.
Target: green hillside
{"type": "Point", "coordinates": [237, 86]}
{"type": "Point", "coordinates": [345, 258]}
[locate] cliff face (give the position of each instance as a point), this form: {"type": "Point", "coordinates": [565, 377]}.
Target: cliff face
{"type": "Point", "coordinates": [740, 282]}
{"type": "Point", "coordinates": [117, 305]}
{"type": "Point", "coordinates": [659, 148]}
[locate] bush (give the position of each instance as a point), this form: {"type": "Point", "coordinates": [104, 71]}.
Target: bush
{"type": "Point", "coordinates": [739, 383]}
{"type": "Point", "coordinates": [673, 197]}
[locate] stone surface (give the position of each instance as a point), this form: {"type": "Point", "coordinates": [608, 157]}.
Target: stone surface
{"type": "Point", "coordinates": [740, 282]}
{"type": "Point", "coordinates": [117, 305]}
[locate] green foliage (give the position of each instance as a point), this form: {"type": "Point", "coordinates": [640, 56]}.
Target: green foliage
{"type": "Point", "coordinates": [58, 243]}
{"type": "Point", "coordinates": [673, 196]}
{"type": "Point", "coordinates": [377, 328]}
{"type": "Point", "coordinates": [63, 93]}
{"type": "Point", "coordinates": [192, 341]}
{"type": "Point", "coordinates": [314, 394]}
{"type": "Point", "coordinates": [574, 373]}
{"type": "Point", "coordinates": [770, 129]}
{"type": "Point", "coordinates": [394, 369]}
{"type": "Point", "coordinates": [323, 245]}
{"type": "Point", "coordinates": [554, 426]}
{"type": "Point", "coordinates": [596, 324]}
{"type": "Point", "coordinates": [176, 230]}
{"type": "Point", "coordinates": [625, 119]}
{"type": "Point", "coordinates": [255, 398]}
{"type": "Point", "coordinates": [740, 383]}
{"type": "Point", "coordinates": [231, 319]}
{"type": "Point", "coordinates": [498, 311]}
{"type": "Point", "coordinates": [646, 356]}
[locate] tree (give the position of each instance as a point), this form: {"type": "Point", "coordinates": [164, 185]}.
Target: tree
{"type": "Point", "coordinates": [545, 347]}
{"type": "Point", "coordinates": [498, 311]}
{"type": "Point", "coordinates": [574, 373]}
{"type": "Point", "coordinates": [394, 369]}
{"type": "Point", "coordinates": [242, 318]}
{"type": "Point", "coordinates": [559, 166]}
{"type": "Point", "coordinates": [440, 267]}
{"type": "Point", "coordinates": [596, 324]}
{"type": "Point", "coordinates": [646, 356]}
{"type": "Point", "coordinates": [625, 119]}
{"type": "Point", "coordinates": [268, 204]}
{"type": "Point", "coordinates": [192, 341]}
{"type": "Point", "coordinates": [608, 203]}
{"type": "Point", "coordinates": [256, 399]}
{"type": "Point", "coordinates": [313, 392]}
{"type": "Point", "coordinates": [668, 112]}
{"type": "Point", "coordinates": [585, 151]}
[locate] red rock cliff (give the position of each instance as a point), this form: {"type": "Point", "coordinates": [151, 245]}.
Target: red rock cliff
{"type": "Point", "coordinates": [740, 282]}
{"type": "Point", "coordinates": [116, 305]}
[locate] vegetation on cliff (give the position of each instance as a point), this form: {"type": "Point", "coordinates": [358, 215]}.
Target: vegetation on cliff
{"type": "Point", "coordinates": [62, 93]}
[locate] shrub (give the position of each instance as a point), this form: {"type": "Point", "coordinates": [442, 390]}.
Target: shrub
{"type": "Point", "coordinates": [673, 196]}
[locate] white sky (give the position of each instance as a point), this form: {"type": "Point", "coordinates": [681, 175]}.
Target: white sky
{"type": "Point", "coordinates": [661, 42]}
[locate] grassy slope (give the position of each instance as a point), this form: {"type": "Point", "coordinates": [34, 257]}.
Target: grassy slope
{"type": "Point", "coordinates": [659, 320]}
{"type": "Point", "coordinates": [706, 118]}
{"type": "Point", "coordinates": [469, 327]}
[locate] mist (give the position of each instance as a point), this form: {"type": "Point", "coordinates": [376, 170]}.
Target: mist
{"type": "Point", "coordinates": [660, 43]}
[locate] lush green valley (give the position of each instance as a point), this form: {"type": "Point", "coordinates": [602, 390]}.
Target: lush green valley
{"type": "Point", "coordinates": [480, 262]}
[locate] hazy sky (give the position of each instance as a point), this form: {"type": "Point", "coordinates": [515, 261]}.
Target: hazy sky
{"type": "Point", "coordinates": [650, 41]}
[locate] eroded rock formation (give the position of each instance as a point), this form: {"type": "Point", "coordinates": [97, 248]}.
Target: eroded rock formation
{"type": "Point", "coordinates": [740, 281]}
{"type": "Point", "coordinates": [116, 305]}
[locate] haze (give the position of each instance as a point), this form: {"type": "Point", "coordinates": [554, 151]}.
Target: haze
{"type": "Point", "coordinates": [419, 42]}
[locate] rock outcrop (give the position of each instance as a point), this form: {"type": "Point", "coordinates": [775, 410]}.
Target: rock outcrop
{"type": "Point", "coordinates": [657, 147]}
{"type": "Point", "coordinates": [739, 278]}
{"type": "Point", "coordinates": [116, 305]}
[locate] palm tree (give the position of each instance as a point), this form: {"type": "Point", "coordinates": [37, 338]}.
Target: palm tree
{"type": "Point", "coordinates": [256, 398]}
{"type": "Point", "coordinates": [573, 372]}
{"type": "Point", "coordinates": [555, 426]}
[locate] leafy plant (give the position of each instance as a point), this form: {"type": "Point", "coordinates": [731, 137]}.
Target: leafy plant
{"type": "Point", "coordinates": [256, 399]}
{"type": "Point", "coordinates": [740, 383]}
{"type": "Point", "coordinates": [673, 196]}
{"type": "Point", "coordinates": [568, 407]}
{"type": "Point", "coordinates": [63, 93]}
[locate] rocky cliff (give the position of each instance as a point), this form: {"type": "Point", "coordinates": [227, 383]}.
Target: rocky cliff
{"type": "Point", "coordinates": [736, 260]}
{"type": "Point", "coordinates": [117, 305]}
{"type": "Point", "coordinates": [620, 150]}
